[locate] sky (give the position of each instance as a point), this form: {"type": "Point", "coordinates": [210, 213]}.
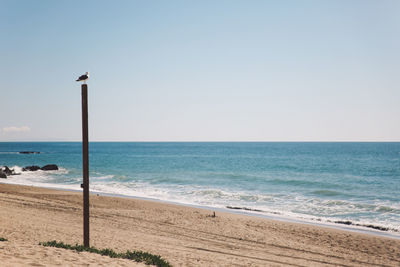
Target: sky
{"type": "Point", "coordinates": [201, 70]}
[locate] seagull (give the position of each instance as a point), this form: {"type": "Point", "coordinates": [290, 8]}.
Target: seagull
{"type": "Point", "coordinates": [83, 78]}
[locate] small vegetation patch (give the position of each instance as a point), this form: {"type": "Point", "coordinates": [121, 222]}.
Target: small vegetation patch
{"type": "Point", "coordinates": [138, 256]}
{"type": "Point", "coordinates": [3, 239]}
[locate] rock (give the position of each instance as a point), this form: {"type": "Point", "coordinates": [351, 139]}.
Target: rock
{"type": "Point", "coordinates": [7, 170]}
{"type": "Point", "coordinates": [29, 152]}
{"type": "Point", "coordinates": [2, 174]}
{"type": "Point", "coordinates": [50, 167]}
{"type": "Point", "coordinates": [31, 168]}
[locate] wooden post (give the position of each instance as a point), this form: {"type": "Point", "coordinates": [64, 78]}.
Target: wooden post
{"type": "Point", "coordinates": [85, 153]}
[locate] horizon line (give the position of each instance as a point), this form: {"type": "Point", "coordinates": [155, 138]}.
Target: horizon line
{"type": "Point", "coordinates": [200, 141]}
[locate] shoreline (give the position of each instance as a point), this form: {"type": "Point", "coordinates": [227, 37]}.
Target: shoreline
{"type": "Point", "coordinates": [182, 235]}
{"type": "Point", "coordinates": [340, 225]}
{"type": "Point", "coordinates": [261, 214]}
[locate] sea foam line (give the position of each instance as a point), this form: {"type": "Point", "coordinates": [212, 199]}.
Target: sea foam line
{"type": "Point", "coordinates": [203, 197]}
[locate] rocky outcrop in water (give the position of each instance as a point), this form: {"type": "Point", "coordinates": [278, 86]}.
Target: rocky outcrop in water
{"type": "Point", "coordinates": [5, 171]}
{"type": "Point", "coordinates": [50, 167]}
{"type": "Point", "coordinates": [31, 168]}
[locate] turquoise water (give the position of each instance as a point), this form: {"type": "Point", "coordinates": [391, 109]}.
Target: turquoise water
{"type": "Point", "coordinates": [327, 182]}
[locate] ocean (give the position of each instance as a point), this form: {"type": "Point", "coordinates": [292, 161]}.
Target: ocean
{"type": "Point", "coordinates": [352, 184]}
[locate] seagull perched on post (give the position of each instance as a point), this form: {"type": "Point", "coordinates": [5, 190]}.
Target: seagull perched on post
{"type": "Point", "coordinates": [83, 78]}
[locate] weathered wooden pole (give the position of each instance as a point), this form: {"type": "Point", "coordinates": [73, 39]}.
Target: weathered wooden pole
{"type": "Point", "coordinates": [85, 153]}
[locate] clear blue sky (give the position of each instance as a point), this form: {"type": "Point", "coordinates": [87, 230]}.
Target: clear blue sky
{"type": "Point", "coordinates": [201, 70]}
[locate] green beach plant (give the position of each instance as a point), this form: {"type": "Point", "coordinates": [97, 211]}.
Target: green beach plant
{"type": "Point", "coordinates": [3, 239]}
{"type": "Point", "coordinates": [138, 256]}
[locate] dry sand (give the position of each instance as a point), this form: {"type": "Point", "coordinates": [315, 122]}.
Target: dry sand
{"type": "Point", "coordinates": [184, 236]}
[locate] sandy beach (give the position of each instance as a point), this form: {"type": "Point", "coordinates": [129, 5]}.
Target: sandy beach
{"type": "Point", "coordinates": [183, 236]}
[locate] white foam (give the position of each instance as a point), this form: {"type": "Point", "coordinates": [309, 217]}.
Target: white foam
{"type": "Point", "coordinates": [17, 169]}
{"type": "Point", "coordinates": [105, 177]}
{"type": "Point", "coordinates": [293, 206]}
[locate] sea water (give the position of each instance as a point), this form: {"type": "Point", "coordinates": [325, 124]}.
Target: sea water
{"type": "Point", "coordinates": [356, 184]}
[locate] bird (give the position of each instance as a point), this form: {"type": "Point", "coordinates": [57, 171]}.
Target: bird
{"type": "Point", "coordinates": [83, 78]}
